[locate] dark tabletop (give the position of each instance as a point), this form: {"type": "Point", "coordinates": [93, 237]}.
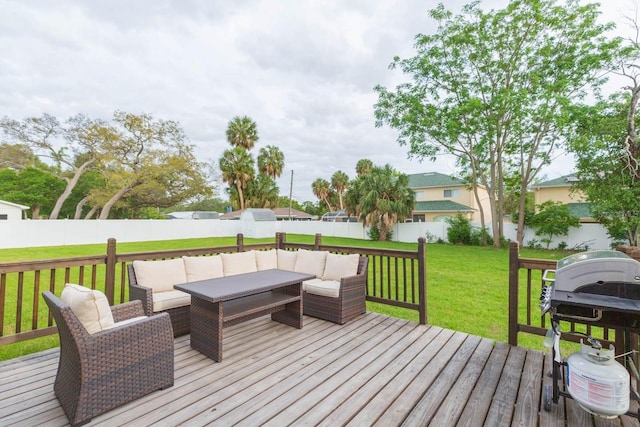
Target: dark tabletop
{"type": "Point", "coordinates": [239, 285]}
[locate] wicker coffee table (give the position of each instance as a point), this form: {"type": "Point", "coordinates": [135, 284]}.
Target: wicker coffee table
{"type": "Point", "coordinates": [224, 301]}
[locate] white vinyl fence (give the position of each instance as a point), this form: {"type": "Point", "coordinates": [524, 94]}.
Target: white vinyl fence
{"type": "Point", "coordinates": [30, 233]}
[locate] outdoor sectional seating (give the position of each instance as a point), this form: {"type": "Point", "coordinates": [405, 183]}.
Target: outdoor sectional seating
{"type": "Point", "coordinates": [337, 294]}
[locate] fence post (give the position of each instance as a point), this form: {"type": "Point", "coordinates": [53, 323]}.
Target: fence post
{"type": "Point", "coordinates": [422, 279]}
{"type": "Point", "coordinates": [317, 242]}
{"type": "Point", "coordinates": [110, 271]}
{"type": "Point", "coordinates": [514, 255]}
{"type": "Point", "coordinates": [239, 243]}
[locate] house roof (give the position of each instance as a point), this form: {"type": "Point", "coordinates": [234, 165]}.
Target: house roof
{"type": "Point", "coordinates": [278, 212]}
{"type": "Point", "coordinates": [563, 181]}
{"type": "Point", "coordinates": [15, 205]}
{"type": "Point", "coordinates": [441, 206]}
{"type": "Point", "coordinates": [433, 179]}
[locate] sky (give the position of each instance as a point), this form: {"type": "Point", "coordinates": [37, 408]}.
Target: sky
{"type": "Point", "coordinates": [303, 70]}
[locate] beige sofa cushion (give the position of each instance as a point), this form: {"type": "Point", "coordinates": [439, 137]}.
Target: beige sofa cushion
{"type": "Point", "coordinates": [170, 299]}
{"type": "Point", "coordinates": [91, 307]}
{"type": "Point", "coordinates": [202, 267]}
{"type": "Point", "coordinates": [238, 263]}
{"type": "Point", "coordinates": [286, 259]}
{"type": "Point", "coordinates": [266, 260]}
{"type": "Point", "coordinates": [311, 262]}
{"type": "Point", "coordinates": [338, 266]}
{"type": "Point", "coordinates": [310, 281]}
{"type": "Point", "coordinates": [160, 275]}
{"type": "Point", "coordinates": [325, 288]}
{"type": "Point", "coordinates": [127, 321]}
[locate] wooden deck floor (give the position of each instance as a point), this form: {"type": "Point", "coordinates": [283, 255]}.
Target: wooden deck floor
{"type": "Point", "coordinates": [375, 370]}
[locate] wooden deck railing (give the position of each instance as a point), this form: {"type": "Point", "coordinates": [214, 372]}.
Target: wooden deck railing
{"type": "Point", "coordinates": [396, 278]}
{"type": "Point", "coordinates": [525, 286]}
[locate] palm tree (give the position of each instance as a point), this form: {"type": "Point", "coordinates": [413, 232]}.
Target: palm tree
{"type": "Point", "coordinates": [339, 182]}
{"type": "Point", "coordinates": [321, 189]}
{"type": "Point", "coordinates": [262, 192]}
{"type": "Point", "coordinates": [242, 132]}
{"type": "Point", "coordinates": [271, 161]}
{"type": "Point", "coordinates": [381, 198]}
{"type": "Point", "coordinates": [363, 166]}
{"type": "Point", "coordinates": [237, 168]}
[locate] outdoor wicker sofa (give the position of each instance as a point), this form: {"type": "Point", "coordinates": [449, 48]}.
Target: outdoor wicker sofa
{"type": "Point", "coordinates": [106, 368]}
{"type": "Point", "coordinates": [337, 294]}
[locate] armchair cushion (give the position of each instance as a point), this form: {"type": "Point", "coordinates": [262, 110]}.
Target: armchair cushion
{"type": "Point", "coordinates": [202, 267]}
{"type": "Point", "coordinates": [310, 262]}
{"type": "Point", "coordinates": [266, 260]}
{"type": "Point", "coordinates": [339, 266]}
{"type": "Point", "coordinates": [286, 259]}
{"type": "Point", "coordinates": [91, 307]}
{"type": "Point", "coordinates": [239, 262]}
{"type": "Point", "coordinates": [325, 288]}
{"type": "Point", "coordinates": [160, 275]}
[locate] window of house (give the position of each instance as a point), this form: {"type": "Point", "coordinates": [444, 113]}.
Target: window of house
{"type": "Point", "coordinates": [418, 218]}
{"type": "Point", "coordinates": [4, 216]}
{"type": "Point", "coordinates": [452, 193]}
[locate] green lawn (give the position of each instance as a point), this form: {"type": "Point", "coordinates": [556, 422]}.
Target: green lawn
{"type": "Point", "coordinates": [467, 287]}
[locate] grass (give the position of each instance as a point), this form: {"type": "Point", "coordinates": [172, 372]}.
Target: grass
{"type": "Point", "coordinates": [467, 286]}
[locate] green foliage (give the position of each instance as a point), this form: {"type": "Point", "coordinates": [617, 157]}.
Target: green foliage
{"type": "Point", "coordinates": [374, 234]}
{"type": "Point", "coordinates": [553, 219]}
{"type": "Point", "coordinates": [237, 168]}
{"type": "Point", "coordinates": [380, 199]}
{"type": "Point", "coordinates": [459, 231]}
{"type": "Point", "coordinates": [494, 89]}
{"type": "Point", "coordinates": [242, 132]}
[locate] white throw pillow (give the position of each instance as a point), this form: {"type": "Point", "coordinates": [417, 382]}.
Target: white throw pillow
{"type": "Point", "coordinates": [311, 262]}
{"type": "Point", "coordinates": [239, 263]}
{"type": "Point", "coordinates": [202, 267]}
{"type": "Point", "coordinates": [160, 275]}
{"type": "Point", "coordinates": [339, 266]}
{"type": "Point", "coordinates": [91, 307]}
{"type": "Point", "coordinates": [266, 260]}
{"type": "Point", "coordinates": [287, 259]}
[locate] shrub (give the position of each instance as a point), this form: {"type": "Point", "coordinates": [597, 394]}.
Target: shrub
{"type": "Point", "coordinates": [459, 231]}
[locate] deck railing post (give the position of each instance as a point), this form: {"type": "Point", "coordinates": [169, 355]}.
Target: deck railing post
{"type": "Point", "coordinates": [317, 242]}
{"type": "Point", "coordinates": [279, 236]}
{"type": "Point", "coordinates": [514, 255]}
{"type": "Point", "coordinates": [110, 271]}
{"type": "Point", "coordinates": [239, 243]}
{"type": "Point", "coordinates": [422, 280]}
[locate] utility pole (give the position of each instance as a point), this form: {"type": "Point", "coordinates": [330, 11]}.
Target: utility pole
{"type": "Point", "coordinates": [290, 194]}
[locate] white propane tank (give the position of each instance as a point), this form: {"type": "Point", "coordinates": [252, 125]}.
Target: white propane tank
{"type": "Point", "coordinates": [597, 382]}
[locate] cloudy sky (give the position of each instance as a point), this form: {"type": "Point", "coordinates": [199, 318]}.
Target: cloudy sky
{"type": "Point", "coordinates": [303, 70]}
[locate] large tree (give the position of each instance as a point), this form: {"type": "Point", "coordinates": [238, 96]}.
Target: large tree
{"type": "Point", "coordinates": [150, 160]}
{"type": "Point", "coordinates": [271, 161]}
{"type": "Point", "coordinates": [381, 198]}
{"type": "Point", "coordinates": [322, 190]}
{"type": "Point", "coordinates": [237, 168]}
{"type": "Point", "coordinates": [62, 145]}
{"type": "Point", "coordinates": [493, 89]}
{"type": "Point", "coordinates": [242, 132]}
{"type": "Point", "coordinates": [339, 182]}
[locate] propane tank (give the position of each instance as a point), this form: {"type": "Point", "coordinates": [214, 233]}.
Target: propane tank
{"type": "Point", "coordinates": [597, 382]}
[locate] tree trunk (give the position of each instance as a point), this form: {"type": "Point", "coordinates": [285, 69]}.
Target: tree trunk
{"type": "Point", "coordinates": [106, 209]}
{"type": "Point", "coordinates": [240, 196]}
{"type": "Point", "coordinates": [79, 207]}
{"type": "Point", "coordinates": [71, 183]}
{"type": "Point", "coordinates": [92, 212]}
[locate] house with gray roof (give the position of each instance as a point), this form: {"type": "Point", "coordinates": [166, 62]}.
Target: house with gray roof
{"type": "Point", "coordinates": [561, 190]}
{"type": "Point", "coordinates": [10, 210]}
{"type": "Point", "coordinates": [440, 196]}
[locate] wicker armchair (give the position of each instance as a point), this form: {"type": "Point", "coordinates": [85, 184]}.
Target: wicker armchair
{"type": "Point", "coordinates": [180, 316]}
{"type": "Point", "coordinates": [350, 302]}
{"type": "Point", "coordinates": [98, 372]}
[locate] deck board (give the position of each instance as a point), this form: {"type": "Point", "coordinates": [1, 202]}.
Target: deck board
{"type": "Point", "coordinates": [375, 370]}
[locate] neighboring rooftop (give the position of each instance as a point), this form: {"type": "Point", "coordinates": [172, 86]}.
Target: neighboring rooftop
{"type": "Point", "coordinates": [441, 206]}
{"type": "Point", "coordinates": [563, 181]}
{"type": "Point", "coordinates": [432, 179]}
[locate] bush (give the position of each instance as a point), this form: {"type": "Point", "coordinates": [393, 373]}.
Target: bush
{"type": "Point", "coordinates": [459, 232]}
{"type": "Point", "coordinates": [374, 234]}
{"type": "Point", "coordinates": [478, 236]}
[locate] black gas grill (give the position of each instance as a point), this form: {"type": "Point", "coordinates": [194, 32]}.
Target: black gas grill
{"type": "Point", "coordinates": [598, 288]}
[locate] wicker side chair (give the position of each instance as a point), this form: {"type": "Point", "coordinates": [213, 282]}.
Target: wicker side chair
{"type": "Point", "coordinates": [98, 372]}
{"type": "Point", "coordinates": [180, 316]}
{"type": "Point", "coordinates": [350, 302]}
